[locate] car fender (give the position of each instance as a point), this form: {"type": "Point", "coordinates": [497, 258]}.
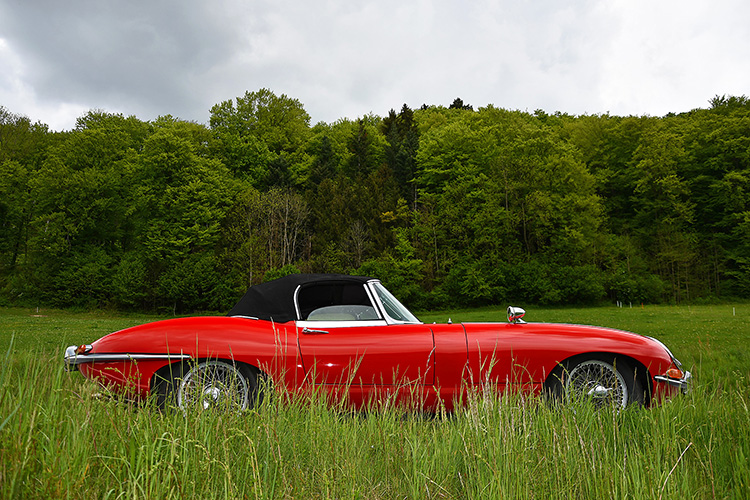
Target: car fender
{"type": "Point", "coordinates": [520, 354]}
{"type": "Point", "coordinates": [270, 347]}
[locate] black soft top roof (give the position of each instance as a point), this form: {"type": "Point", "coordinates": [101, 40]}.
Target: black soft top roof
{"type": "Point", "coordinates": [274, 300]}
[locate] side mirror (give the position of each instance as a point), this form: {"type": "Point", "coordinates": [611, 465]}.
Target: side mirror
{"type": "Point", "coordinates": [515, 314]}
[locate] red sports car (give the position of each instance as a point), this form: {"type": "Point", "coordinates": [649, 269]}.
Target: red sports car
{"type": "Point", "coordinates": [350, 337]}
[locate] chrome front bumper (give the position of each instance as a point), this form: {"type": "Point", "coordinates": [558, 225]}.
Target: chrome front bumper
{"type": "Point", "coordinates": [683, 384]}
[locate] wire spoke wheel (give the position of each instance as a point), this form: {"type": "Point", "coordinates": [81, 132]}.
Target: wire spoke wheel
{"type": "Point", "coordinates": [214, 385]}
{"type": "Point", "coordinates": [597, 381]}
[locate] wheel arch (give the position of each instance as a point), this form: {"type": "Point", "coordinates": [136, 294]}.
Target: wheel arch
{"type": "Point", "coordinates": [640, 371]}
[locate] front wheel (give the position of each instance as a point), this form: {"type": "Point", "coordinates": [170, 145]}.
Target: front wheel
{"type": "Point", "coordinates": [603, 380]}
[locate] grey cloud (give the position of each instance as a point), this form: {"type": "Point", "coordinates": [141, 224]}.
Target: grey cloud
{"type": "Point", "coordinates": [346, 59]}
{"type": "Point", "coordinates": [135, 56]}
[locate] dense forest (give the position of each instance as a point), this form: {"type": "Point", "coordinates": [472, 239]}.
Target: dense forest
{"type": "Point", "coordinates": [449, 206]}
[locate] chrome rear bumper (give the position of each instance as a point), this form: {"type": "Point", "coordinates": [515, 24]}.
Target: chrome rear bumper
{"type": "Point", "coordinates": [72, 359]}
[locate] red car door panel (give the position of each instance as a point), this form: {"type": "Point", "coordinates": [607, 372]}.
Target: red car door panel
{"type": "Point", "coordinates": [367, 355]}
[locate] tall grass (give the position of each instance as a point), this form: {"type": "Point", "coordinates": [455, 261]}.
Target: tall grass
{"type": "Point", "coordinates": [59, 439]}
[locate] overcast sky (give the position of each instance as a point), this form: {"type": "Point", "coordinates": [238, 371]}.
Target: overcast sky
{"type": "Point", "coordinates": [349, 58]}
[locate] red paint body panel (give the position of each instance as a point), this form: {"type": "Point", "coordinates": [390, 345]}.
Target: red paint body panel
{"type": "Point", "coordinates": [369, 355]}
{"type": "Point", "coordinates": [451, 364]}
{"type": "Point", "coordinates": [523, 355]}
{"type": "Point", "coordinates": [270, 347]}
{"type": "Point", "coordinates": [418, 364]}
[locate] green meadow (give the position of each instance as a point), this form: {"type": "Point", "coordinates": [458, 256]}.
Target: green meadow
{"type": "Point", "coordinates": [60, 438]}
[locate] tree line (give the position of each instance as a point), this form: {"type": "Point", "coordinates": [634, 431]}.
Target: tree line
{"type": "Point", "coordinates": [449, 206]}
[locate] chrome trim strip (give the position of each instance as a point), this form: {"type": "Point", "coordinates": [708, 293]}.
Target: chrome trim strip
{"type": "Point", "coordinates": [376, 304]}
{"type": "Point", "coordinates": [370, 287]}
{"type": "Point", "coordinates": [373, 296]}
{"type": "Point", "coordinates": [73, 360]}
{"type": "Point", "coordinates": [316, 325]}
{"type": "Point", "coordinates": [675, 360]}
{"type": "Point", "coordinates": [372, 290]}
{"type": "Point", "coordinates": [296, 302]}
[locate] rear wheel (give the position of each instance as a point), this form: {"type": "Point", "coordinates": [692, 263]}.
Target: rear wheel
{"type": "Point", "coordinates": [208, 385]}
{"type": "Point", "coordinates": [603, 380]}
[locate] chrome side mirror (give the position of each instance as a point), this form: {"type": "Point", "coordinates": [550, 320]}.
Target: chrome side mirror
{"type": "Point", "coordinates": [515, 314]}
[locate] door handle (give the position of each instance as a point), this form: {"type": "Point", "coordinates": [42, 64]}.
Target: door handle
{"type": "Point", "coordinates": [310, 331]}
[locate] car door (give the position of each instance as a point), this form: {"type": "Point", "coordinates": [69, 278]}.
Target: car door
{"type": "Point", "coordinates": [372, 353]}
{"type": "Point", "coordinates": [354, 344]}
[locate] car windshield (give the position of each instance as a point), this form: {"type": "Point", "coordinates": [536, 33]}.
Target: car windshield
{"type": "Point", "coordinates": [393, 308]}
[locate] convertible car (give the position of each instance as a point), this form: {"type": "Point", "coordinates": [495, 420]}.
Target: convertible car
{"type": "Point", "coordinates": [351, 339]}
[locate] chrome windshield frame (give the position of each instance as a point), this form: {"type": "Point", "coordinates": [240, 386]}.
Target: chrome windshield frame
{"type": "Point", "coordinates": [372, 288]}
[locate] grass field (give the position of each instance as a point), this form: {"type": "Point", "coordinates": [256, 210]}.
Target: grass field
{"type": "Point", "coordinates": [57, 440]}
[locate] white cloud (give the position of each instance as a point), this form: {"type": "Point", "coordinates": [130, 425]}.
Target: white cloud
{"type": "Point", "coordinates": [674, 56]}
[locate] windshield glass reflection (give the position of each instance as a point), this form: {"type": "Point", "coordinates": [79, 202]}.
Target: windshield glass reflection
{"type": "Point", "coordinates": [393, 308]}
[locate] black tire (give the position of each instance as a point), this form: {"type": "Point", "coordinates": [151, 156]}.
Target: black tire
{"type": "Point", "coordinates": [604, 380]}
{"type": "Point", "coordinates": [205, 385]}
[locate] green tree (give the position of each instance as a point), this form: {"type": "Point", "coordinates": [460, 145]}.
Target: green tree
{"type": "Point", "coordinates": [262, 134]}
{"type": "Point", "coordinates": [83, 214]}
{"type": "Point", "coordinates": [181, 200]}
{"type": "Point", "coordinates": [366, 147]}
{"type": "Point", "coordinates": [22, 149]}
{"type": "Point", "coordinates": [324, 165]}
{"type": "Point", "coordinates": [458, 103]}
{"type": "Point", "coordinates": [664, 210]}
{"type": "Point", "coordinates": [263, 233]}
{"type": "Point", "coordinates": [402, 134]}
